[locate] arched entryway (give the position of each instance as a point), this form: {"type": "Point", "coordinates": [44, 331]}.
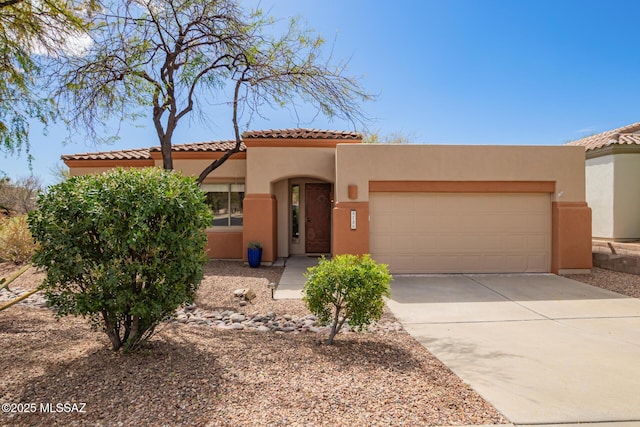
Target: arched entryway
{"type": "Point", "coordinates": [304, 216]}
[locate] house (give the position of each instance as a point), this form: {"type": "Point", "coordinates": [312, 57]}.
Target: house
{"type": "Point", "coordinates": [418, 208]}
{"type": "Point", "coordinates": [612, 177]}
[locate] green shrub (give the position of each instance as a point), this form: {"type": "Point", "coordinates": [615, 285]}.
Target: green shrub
{"type": "Point", "coordinates": [16, 243]}
{"type": "Point", "coordinates": [347, 288]}
{"type": "Point", "coordinates": [125, 248]}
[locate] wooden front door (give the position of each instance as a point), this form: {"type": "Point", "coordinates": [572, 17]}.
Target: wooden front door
{"type": "Point", "coordinates": [318, 218]}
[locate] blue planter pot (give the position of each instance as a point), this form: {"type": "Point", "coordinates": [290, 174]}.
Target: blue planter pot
{"type": "Point", "coordinates": [254, 255]}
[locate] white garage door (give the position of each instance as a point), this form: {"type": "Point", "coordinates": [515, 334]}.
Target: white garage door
{"type": "Point", "coordinates": [461, 232]}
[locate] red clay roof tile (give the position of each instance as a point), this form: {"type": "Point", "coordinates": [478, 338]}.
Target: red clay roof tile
{"type": "Point", "coordinates": [216, 146]}
{"type": "Point", "coordinates": [302, 134]}
{"type": "Point", "coordinates": [135, 154]}
{"type": "Point", "coordinates": [145, 153]}
{"type": "Point", "coordinates": [625, 135]}
{"type": "Point", "coordinates": [204, 146]}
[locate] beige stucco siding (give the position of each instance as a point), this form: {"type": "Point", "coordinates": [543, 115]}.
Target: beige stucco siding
{"type": "Point", "coordinates": [600, 194]}
{"type": "Point", "coordinates": [359, 164]}
{"type": "Point", "coordinates": [231, 170]}
{"type": "Point", "coordinates": [626, 210]}
{"type": "Point", "coordinates": [268, 165]}
{"type": "Point", "coordinates": [613, 196]}
{"type": "Point", "coordinates": [88, 171]}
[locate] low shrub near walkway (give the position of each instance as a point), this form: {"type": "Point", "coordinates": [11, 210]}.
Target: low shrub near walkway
{"type": "Point", "coordinates": [347, 288]}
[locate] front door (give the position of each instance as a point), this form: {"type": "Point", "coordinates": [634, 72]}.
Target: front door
{"type": "Point", "coordinates": [318, 218]}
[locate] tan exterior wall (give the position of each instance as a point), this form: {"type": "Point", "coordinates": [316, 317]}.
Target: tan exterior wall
{"type": "Point", "coordinates": [281, 191]}
{"type": "Point", "coordinates": [626, 209]}
{"type": "Point", "coordinates": [570, 237]}
{"type": "Point", "coordinates": [562, 165]}
{"type": "Point", "coordinates": [268, 165]}
{"type": "Point", "coordinates": [613, 196]}
{"type": "Point", "coordinates": [260, 224]}
{"type": "Point", "coordinates": [231, 171]}
{"type": "Point", "coordinates": [225, 245]}
{"type": "Point", "coordinates": [600, 195]}
{"type": "Point", "coordinates": [75, 171]}
{"type": "Point", "coordinates": [348, 241]}
{"type": "Point", "coordinates": [559, 171]}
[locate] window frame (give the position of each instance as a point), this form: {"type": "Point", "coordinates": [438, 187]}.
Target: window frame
{"type": "Point", "coordinates": [214, 187]}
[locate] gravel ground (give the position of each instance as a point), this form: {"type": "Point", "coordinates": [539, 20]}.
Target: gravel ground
{"type": "Point", "coordinates": [623, 283]}
{"type": "Point", "coordinates": [199, 375]}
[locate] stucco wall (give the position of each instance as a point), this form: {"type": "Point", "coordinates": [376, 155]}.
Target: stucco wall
{"type": "Point", "coordinates": [626, 203]}
{"type": "Point", "coordinates": [600, 195]}
{"type": "Point", "coordinates": [74, 171]}
{"type": "Point", "coordinates": [281, 191]}
{"type": "Point", "coordinates": [359, 164]}
{"type": "Point", "coordinates": [271, 164]}
{"type": "Point", "coordinates": [231, 170]}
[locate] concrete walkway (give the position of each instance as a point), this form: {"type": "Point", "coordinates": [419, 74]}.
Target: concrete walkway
{"type": "Point", "coordinates": [292, 280]}
{"type": "Point", "coordinates": [542, 349]}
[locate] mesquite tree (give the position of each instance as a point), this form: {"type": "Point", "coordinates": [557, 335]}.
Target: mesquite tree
{"type": "Point", "coordinates": [124, 248]}
{"type": "Point", "coordinates": [30, 31]}
{"type": "Point", "coordinates": [169, 58]}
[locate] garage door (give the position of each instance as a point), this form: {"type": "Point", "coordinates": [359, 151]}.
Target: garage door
{"type": "Point", "coordinates": [461, 232]}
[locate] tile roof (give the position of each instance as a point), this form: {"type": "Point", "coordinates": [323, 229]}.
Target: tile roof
{"type": "Point", "coordinates": [625, 135]}
{"type": "Point", "coordinates": [302, 134]}
{"type": "Point", "coordinates": [204, 146]}
{"type": "Point", "coordinates": [136, 154]}
{"type": "Point", "coordinates": [215, 146]}
{"type": "Point", "coordinates": [145, 153]}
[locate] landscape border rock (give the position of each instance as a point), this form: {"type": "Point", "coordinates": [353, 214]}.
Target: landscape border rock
{"type": "Point", "coordinates": [269, 322]}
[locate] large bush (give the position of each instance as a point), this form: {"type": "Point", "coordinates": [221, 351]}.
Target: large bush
{"type": "Point", "coordinates": [125, 248]}
{"type": "Point", "coordinates": [16, 243]}
{"type": "Point", "coordinates": [348, 288]}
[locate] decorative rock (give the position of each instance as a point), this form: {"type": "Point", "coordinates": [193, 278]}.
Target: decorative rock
{"type": "Point", "coordinates": [242, 303]}
{"type": "Point", "coordinates": [263, 329]}
{"type": "Point", "coordinates": [249, 295]}
{"type": "Point", "coordinates": [239, 292]}
{"type": "Point", "coordinates": [237, 317]}
{"type": "Point", "coordinates": [191, 307]}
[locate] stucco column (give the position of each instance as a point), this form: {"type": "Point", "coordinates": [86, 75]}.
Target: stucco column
{"type": "Point", "coordinates": [260, 224]}
{"type": "Point", "coordinates": [571, 237]}
{"type": "Point", "coordinates": [345, 239]}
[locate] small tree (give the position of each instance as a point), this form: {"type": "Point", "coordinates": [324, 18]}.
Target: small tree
{"type": "Point", "coordinates": [175, 58]}
{"type": "Point", "coordinates": [125, 248]}
{"type": "Point", "coordinates": [347, 288]}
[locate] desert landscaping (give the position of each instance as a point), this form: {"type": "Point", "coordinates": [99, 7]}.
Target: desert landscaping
{"type": "Point", "coordinates": [201, 370]}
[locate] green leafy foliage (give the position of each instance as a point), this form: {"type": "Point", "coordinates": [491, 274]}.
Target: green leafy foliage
{"type": "Point", "coordinates": [30, 33]}
{"type": "Point", "coordinates": [177, 58]}
{"type": "Point", "coordinates": [348, 288]}
{"type": "Point", "coordinates": [16, 243]}
{"type": "Point", "coordinates": [125, 248]}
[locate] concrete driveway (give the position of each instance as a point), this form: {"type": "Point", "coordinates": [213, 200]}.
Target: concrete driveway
{"type": "Point", "coordinates": [542, 349]}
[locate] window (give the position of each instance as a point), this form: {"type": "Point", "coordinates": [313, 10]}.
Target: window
{"type": "Point", "coordinates": [226, 202]}
{"type": "Point", "coordinates": [295, 212]}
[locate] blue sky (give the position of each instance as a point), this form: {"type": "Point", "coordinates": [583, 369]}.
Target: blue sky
{"type": "Point", "coordinates": [448, 72]}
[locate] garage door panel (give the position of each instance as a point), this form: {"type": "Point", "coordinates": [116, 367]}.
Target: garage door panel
{"type": "Point", "coordinates": [456, 232]}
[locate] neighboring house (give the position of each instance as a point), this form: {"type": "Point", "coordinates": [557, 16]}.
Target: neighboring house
{"type": "Point", "coordinates": [612, 181]}
{"type": "Point", "coordinates": [418, 208]}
